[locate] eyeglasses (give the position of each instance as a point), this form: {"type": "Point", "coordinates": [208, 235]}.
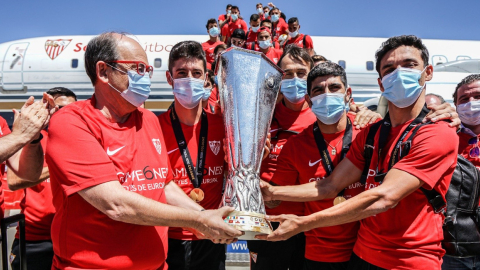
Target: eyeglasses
{"type": "Point", "coordinates": [142, 68]}
{"type": "Point", "coordinates": [475, 151]}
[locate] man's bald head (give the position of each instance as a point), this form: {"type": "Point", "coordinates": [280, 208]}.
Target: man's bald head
{"type": "Point", "coordinates": [434, 99]}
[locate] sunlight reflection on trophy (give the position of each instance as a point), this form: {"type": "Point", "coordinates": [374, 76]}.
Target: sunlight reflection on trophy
{"type": "Point", "coordinates": [248, 84]}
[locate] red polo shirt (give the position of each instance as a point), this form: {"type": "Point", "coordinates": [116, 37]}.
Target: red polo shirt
{"type": "Point", "coordinates": [308, 44]}
{"type": "Point", "coordinates": [232, 25]}
{"type": "Point", "coordinates": [209, 47]}
{"type": "Point", "coordinates": [279, 28]}
{"type": "Point", "coordinates": [4, 130]}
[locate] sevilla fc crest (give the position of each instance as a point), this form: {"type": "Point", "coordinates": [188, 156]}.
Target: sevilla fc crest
{"type": "Point", "coordinates": [215, 146]}
{"type": "Point", "coordinates": [158, 145]}
{"type": "Point", "coordinates": [55, 47]}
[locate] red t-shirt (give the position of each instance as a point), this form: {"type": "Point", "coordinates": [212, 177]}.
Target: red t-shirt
{"type": "Point", "coordinates": [222, 17]}
{"type": "Point", "coordinates": [274, 54]}
{"type": "Point", "coordinates": [4, 130]}
{"type": "Point", "coordinates": [279, 28]}
{"type": "Point", "coordinates": [286, 120]}
{"type": "Point", "coordinates": [408, 236]}
{"type": "Point", "coordinates": [232, 25]}
{"type": "Point", "coordinates": [299, 41]}
{"type": "Point", "coordinates": [464, 149]}
{"type": "Point", "coordinates": [38, 207]}
{"type": "Point", "coordinates": [209, 47]}
{"type": "Point", "coordinates": [214, 163]}
{"type": "Point", "coordinates": [84, 150]}
{"type": "Point", "coordinates": [224, 31]}
{"type": "Point", "coordinates": [300, 163]}
{"type": "Point", "coordinates": [251, 36]}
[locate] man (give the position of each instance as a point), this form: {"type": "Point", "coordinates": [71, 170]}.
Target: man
{"type": "Point", "coordinates": [209, 45]}
{"type": "Point", "coordinates": [396, 217]}
{"type": "Point", "coordinates": [225, 18]}
{"type": "Point", "coordinates": [264, 37]}
{"type": "Point", "coordinates": [112, 187]}
{"type": "Point", "coordinates": [236, 22]}
{"type": "Point", "coordinates": [467, 99]}
{"type": "Point", "coordinates": [254, 26]}
{"type": "Point", "coordinates": [37, 204]}
{"type": "Point", "coordinates": [434, 99]}
{"type": "Point", "coordinates": [202, 135]}
{"type": "Point", "coordinates": [260, 13]}
{"type": "Point", "coordinates": [266, 12]}
{"type": "Point", "coordinates": [279, 26]}
{"type": "Point", "coordinates": [301, 40]}
{"type": "Point", "coordinates": [317, 59]}
{"type": "Point", "coordinates": [237, 39]}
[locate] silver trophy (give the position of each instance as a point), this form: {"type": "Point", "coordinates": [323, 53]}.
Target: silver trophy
{"type": "Point", "coordinates": [248, 84]}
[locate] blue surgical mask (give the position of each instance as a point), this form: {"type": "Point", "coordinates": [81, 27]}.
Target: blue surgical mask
{"type": "Point", "coordinates": [214, 31]}
{"type": "Point", "coordinates": [294, 90]}
{"type": "Point", "coordinates": [229, 11]}
{"type": "Point", "coordinates": [401, 87]}
{"type": "Point", "coordinates": [264, 44]}
{"type": "Point", "coordinates": [138, 87]}
{"type": "Point", "coordinates": [293, 34]}
{"type": "Point", "coordinates": [275, 18]}
{"type": "Point", "coordinates": [255, 29]}
{"type": "Point", "coordinates": [208, 92]}
{"type": "Point", "coordinates": [259, 10]}
{"type": "Point", "coordinates": [329, 107]}
{"type": "Point", "coordinates": [234, 17]}
{"type": "Point", "coordinates": [188, 91]}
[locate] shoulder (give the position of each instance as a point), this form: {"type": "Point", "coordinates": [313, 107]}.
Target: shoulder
{"type": "Point", "coordinates": [436, 134]}
{"type": "Point", "coordinates": [164, 119]}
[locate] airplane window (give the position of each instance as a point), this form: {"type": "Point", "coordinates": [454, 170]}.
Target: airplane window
{"type": "Point", "coordinates": [342, 63]}
{"type": "Point", "coordinates": [74, 63]}
{"type": "Point", "coordinates": [157, 63]}
{"type": "Point", "coordinates": [370, 65]}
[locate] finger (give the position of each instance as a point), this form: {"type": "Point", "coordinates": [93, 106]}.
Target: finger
{"type": "Point", "coordinates": [29, 102]}
{"type": "Point", "coordinates": [261, 236]}
{"type": "Point", "coordinates": [275, 218]}
{"type": "Point", "coordinates": [16, 114]}
{"type": "Point", "coordinates": [455, 123]}
{"type": "Point", "coordinates": [224, 211]}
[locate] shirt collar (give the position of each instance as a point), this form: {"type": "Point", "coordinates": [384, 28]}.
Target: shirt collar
{"type": "Point", "coordinates": [466, 130]}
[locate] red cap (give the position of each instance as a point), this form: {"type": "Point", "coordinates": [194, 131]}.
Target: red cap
{"type": "Point", "coordinates": [264, 29]}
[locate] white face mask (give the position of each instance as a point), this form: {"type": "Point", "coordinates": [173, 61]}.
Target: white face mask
{"type": "Point", "coordinates": [469, 113]}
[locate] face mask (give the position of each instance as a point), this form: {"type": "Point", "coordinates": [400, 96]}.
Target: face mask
{"type": "Point", "coordinates": [294, 90]}
{"type": "Point", "coordinates": [329, 107]}
{"type": "Point", "coordinates": [234, 17]}
{"type": "Point", "coordinates": [214, 32]}
{"type": "Point", "coordinates": [208, 92]}
{"type": "Point", "coordinates": [255, 29]}
{"type": "Point", "coordinates": [138, 88]}
{"type": "Point", "coordinates": [265, 44]}
{"type": "Point", "coordinates": [469, 113]}
{"type": "Point", "coordinates": [259, 10]}
{"type": "Point", "coordinates": [266, 13]}
{"type": "Point", "coordinates": [188, 91]}
{"type": "Point", "coordinates": [275, 18]}
{"type": "Point", "coordinates": [402, 87]}
{"type": "Point", "coordinates": [293, 34]}
{"type": "Point", "coordinates": [229, 11]}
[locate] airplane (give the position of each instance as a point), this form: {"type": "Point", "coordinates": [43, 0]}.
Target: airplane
{"type": "Point", "coordinates": [31, 66]}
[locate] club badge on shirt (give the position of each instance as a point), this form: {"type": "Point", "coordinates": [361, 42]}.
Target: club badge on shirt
{"type": "Point", "coordinates": [158, 145]}
{"type": "Point", "coordinates": [214, 146]}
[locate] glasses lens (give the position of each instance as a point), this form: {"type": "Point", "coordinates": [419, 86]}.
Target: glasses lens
{"type": "Point", "coordinates": [141, 68]}
{"type": "Point", "coordinates": [150, 71]}
{"type": "Point", "coordinates": [475, 152]}
{"type": "Point", "coordinates": [473, 140]}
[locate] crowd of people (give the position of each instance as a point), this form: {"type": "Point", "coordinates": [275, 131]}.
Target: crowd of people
{"type": "Point", "coordinates": [117, 187]}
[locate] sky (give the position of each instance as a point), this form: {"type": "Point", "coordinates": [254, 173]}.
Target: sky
{"type": "Point", "coordinates": [432, 19]}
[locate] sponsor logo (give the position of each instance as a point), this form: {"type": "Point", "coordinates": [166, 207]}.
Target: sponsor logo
{"type": "Point", "coordinates": [171, 151]}
{"type": "Point", "coordinates": [311, 164]}
{"type": "Point", "coordinates": [147, 173]}
{"type": "Point", "coordinates": [111, 153]}
{"type": "Point", "coordinates": [214, 146]}
{"type": "Point", "coordinates": [158, 145]}
{"type": "Point", "coordinates": [254, 256]}
{"type": "Point", "coordinates": [54, 48]}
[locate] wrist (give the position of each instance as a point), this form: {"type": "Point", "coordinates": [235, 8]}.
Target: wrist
{"type": "Point", "coordinates": [305, 223]}
{"type": "Point", "coordinates": [38, 139]}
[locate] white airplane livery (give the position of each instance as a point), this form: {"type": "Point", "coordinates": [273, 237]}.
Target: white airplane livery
{"type": "Point", "coordinates": [32, 66]}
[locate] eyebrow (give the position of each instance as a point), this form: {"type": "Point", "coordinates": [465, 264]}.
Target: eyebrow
{"type": "Point", "coordinates": [303, 69]}
{"type": "Point", "coordinates": [390, 64]}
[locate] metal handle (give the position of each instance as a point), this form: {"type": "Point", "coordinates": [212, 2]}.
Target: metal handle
{"type": "Point", "coordinates": [20, 218]}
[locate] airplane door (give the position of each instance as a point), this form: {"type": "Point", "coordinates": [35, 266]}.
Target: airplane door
{"type": "Point", "coordinates": [12, 68]}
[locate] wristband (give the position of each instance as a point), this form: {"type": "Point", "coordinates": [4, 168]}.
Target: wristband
{"type": "Point", "coordinates": [37, 140]}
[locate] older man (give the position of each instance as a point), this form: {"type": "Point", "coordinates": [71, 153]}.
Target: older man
{"type": "Point", "coordinates": [396, 217]}
{"type": "Point", "coordinates": [110, 174]}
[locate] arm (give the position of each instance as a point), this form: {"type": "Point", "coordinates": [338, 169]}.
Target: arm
{"type": "Point", "coordinates": [16, 183]}
{"type": "Point", "coordinates": [120, 205]}
{"type": "Point", "coordinates": [177, 197]}
{"type": "Point", "coordinates": [345, 173]}
{"type": "Point", "coordinates": [398, 184]}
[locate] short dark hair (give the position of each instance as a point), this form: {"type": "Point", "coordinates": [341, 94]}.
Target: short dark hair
{"type": "Point", "coordinates": [254, 17]}
{"type": "Point", "coordinates": [442, 100]}
{"type": "Point", "coordinates": [186, 49]}
{"type": "Point", "coordinates": [101, 48]}
{"type": "Point", "coordinates": [271, 10]}
{"type": "Point", "coordinates": [283, 16]}
{"type": "Point", "coordinates": [212, 20]}
{"type": "Point", "coordinates": [61, 91]}
{"type": "Point", "coordinates": [395, 42]}
{"type": "Point", "coordinates": [259, 4]}
{"type": "Point", "coordinates": [293, 20]}
{"type": "Point", "coordinates": [326, 69]}
{"type": "Point", "coordinates": [218, 47]}
{"type": "Point", "coordinates": [236, 7]}
{"type": "Point", "coordinates": [318, 58]}
{"type": "Point", "coordinates": [467, 80]}
{"type": "Point", "coordinates": [297, 53]}
{"type": "Point", "coordinates": [211, 77]}
{"type": "Point", "coordinates": [229, 6]}
{"type": "Point", "coordinates": [266, 21]}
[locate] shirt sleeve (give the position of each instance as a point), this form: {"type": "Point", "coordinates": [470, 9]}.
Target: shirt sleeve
{"type": "Point", "coordinates": [75, 157]}
{"type": "Point", "coordinates": [225, 31]}
{"type": "Point", "coordinates": [286, 172]}
{"type": "Point", "coordinates": [244, 26]}
{"type": "Point", "coordinates": [5, 130]}
{"type": "Point", "coordinates": [355, 154]}
{"type": "Point", "coordinates": [430, 158]}
{"type": "Point", "coordinates": [308, 42]}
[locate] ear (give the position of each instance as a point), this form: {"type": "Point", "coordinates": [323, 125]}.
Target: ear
{"type": "Point", "coordinates": [348, 94]}
{"type": "Point", "coordinates": [428, 73]}
{"type": "Point", "coordinates": [169, 78]}
{"type": "Point", "coordinates": [308, 100]}
{"type": "Point", "coordinates": [380, 84]}
{"type": "Point", "coordinates": [102, 74]}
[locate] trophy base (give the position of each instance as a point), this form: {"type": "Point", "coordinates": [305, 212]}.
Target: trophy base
{"type": "Point", "coordinates": [250, 223]}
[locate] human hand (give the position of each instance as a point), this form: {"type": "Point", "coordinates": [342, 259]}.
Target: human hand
{"type": "Point", "coordinates": [290, 225]}
{"type": "Point", "coordinates": [267, 147]}
{"type": "Point", "coordinates": [364, 117]}
{"type": "Point", "coordinates": [30, 120]}
{"type": "Point", "coordinates": [442, 112]}
{"type": "Point", "coordinates": [51, 107]}
{"type": "Point", "coordinates": [212, 226]}
{"type": "Point", "coordinates": [271, 5]}
{"type": "Point", "coordinates": [267, 191]}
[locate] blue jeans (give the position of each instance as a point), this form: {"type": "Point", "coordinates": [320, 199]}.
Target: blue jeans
{"type": "Point", "coordinates": [467, 263]}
